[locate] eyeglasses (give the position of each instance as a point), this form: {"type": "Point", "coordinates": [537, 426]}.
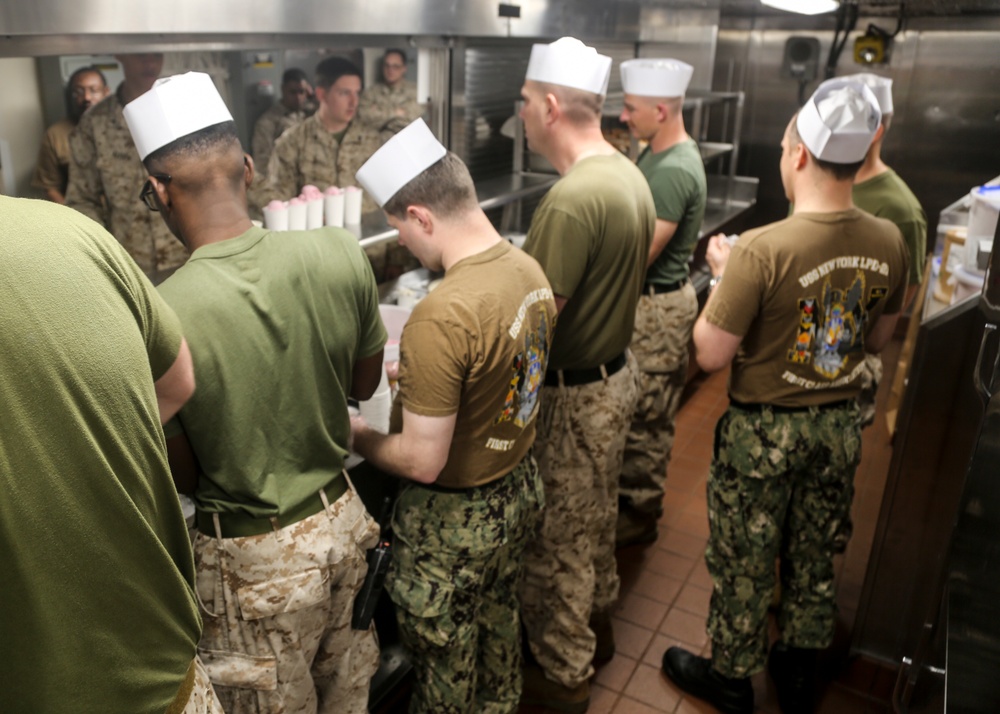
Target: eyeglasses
{"type": "Point", "coordinates": [148, 193]}
{"type": "Point", "coordinates": [389, 65]}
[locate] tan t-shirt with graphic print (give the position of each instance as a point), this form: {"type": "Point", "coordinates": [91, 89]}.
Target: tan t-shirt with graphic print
{"type": "Point", "coordinates": [804, 292]}
{"type": "Point", "coordinates": [478, 345]}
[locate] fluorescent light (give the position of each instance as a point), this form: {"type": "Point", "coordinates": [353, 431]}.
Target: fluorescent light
{"type": "Point", "coordinates": [804, 7]}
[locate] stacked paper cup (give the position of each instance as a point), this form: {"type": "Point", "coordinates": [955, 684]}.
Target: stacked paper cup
{"type": "Point", "coordinates": [314, 206]}
{"type": "Point", "coordinates": [352, 205]}
{"type": "Point", "coordinates": [333, 207]}
{"type": "Point", "coordinates": [276, 216]}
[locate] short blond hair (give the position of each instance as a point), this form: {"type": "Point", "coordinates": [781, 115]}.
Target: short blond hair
{"type": "Point", "coordinates": [579, 107]}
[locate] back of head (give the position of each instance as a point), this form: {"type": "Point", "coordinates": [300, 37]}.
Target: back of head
{"type": "Point", "coordinates": [837, 126]}
{"type": "Point", "coordinates": [182, 126]}
{"type": "Point", "coordinates": [575, 73]}
{"type": "Point", "coordinates": [333, 68]}
{"type": "Point", "coordinates": [413, 168]}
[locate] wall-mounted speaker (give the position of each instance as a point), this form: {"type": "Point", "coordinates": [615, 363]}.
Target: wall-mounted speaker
{"type": "Point", "coordinates": [801, 60]}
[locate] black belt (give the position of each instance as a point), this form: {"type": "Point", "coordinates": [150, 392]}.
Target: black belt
{"type": "Point", "coordinates": [576, 377]}
{"type": "Point", "coordinates": [660, 288]}
{"type": "Point", "coordinates": [238, 525]}
{"type": "Point", "coordinates": [778, 409]}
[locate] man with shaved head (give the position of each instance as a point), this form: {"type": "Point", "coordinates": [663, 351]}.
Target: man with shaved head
{"type": "Point", "coordinates": [283, 329]}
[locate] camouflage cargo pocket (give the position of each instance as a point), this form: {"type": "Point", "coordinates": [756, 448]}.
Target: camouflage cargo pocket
{"type": "Point", "coordinates": [240, 671]}
{"type": "Point", "coordinates": [424, 610]}
{"type": "Point", "coordinates": [283, 595]}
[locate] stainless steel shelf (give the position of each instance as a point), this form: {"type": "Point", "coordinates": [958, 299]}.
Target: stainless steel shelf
{"type": "Point", "coordinates": [713, 150]}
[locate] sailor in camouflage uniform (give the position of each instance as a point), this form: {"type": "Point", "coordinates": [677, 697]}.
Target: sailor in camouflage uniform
{"type": "Point", "coordinates": [801, 303]}
{"type": "Point", "coordinates": [473, 356]}
{"type": "Point", "coordinates": [105, 174]}
{"type": "Point", "coordinates": [390, 104]}
{"type": "Point", "coordinates": [326, 149]}
{"type": "Point", "coordinates": [291, 110]}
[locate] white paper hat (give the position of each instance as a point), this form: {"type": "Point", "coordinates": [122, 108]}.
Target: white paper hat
{"type": "Point", "coordinates": [570, 63]}
{"type": "Point", "coordinates": [656, 77]}
{"type": "Point", "coordinates": [400, 160]}
{"type": "Point", "coordinates": [881, 87]}
{"type": "Point", "coordinates": [175, 107]}
{"type": "Point", "coordinates": [839, 121]}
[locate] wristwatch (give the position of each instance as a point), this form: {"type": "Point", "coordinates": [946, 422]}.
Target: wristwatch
{"type": "Point", "coordinates": [716, 279]}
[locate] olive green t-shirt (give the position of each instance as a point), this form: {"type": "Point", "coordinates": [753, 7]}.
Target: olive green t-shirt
{"type": "Point", "coordinates": [477, 346]}
{"type": "Point", "coordinates": [676, 177]}
{"type": "Point", "coordinates": [887, 196]}
{"type": "Point", "coordinates": [275, 322]}
{"type": "Point", "coordinates": [97, 610]}
{"type": "Point", "coordinates": [803, 293]}
{"type": "Point", "coordinates": [591, 234]}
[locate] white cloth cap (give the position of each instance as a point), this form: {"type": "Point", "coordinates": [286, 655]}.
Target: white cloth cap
{"type": "Point", "coordinates": [839, 121]}
{"type": "Point", "coordinates": [656, 77]}
{"type": "Point", "coordinates": [400, 160]}
{"type": "Point", "coordinates": [175, 107]}
{"type": "Point", "coordinates": [570, 63]}
{"type": "Point", "coordinates": [881, 87]}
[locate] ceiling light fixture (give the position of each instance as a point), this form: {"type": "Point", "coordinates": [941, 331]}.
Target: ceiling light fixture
{"type": "Point", "coordinates": [804, 7]}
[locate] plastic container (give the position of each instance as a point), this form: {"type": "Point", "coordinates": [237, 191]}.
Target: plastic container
{"type": "Point", "coordinates": [983, 213]}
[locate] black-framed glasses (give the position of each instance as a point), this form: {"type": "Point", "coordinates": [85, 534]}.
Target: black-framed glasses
{"type": "Point", "coordinates": [148, 194]}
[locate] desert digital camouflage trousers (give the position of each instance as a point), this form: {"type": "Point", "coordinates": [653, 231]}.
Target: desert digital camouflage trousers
{"type": "Point", "coordinates": [202, 699]}
{"type": "Point", "coordinates": [569, 569]}
{"type": "Point", "coordinates": [781, 484]}
{"type": "Point", "coordinates": [454, 579]}
{"type": "Point", "coordinates": [663, 325]}
{"type": "Point", "coordinates": [277, 611]}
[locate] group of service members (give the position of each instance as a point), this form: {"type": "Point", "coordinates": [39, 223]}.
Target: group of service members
{"type": "Point", "coordinates": [536, 388]}
{"type": "Point", "coordinates": [321, 136]}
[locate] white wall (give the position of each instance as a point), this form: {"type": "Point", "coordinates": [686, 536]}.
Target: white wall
{"type": "Point", "coordinates": [21, 123]}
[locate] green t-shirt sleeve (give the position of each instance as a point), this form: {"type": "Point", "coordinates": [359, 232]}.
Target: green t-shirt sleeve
{"type": "Point", "coordinates": [561, 245]}
{"type": "Point", "coordinates": [739, 295]}
{"type": "Point", "coordinates": [158, 323]}
{"type": "Point", "coordinates": [373, 335]}
{"type": "Point", "coordinates": [672, 189]}
{"type": "Point", "coordinates": [915, 237]}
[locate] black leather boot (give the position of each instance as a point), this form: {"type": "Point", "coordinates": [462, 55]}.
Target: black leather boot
{"type": "Point", "coordinates": [793, 670]}
{"type": "Point", "coordinates": [695, 676]}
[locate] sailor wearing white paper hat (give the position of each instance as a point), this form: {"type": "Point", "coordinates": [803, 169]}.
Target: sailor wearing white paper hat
{"type": "Point", "coordinates": [654, 95]}
{"type": "Point", "coordinates": [883, 193]}
{"type": "Point", "coordinates": [591, 233]}
{"type": "Point", "coordinates": [269, 425]}
{"type": "Point", "coordinates": [801, 301]}
{"type": "Point", "coordinates": [473, 355]}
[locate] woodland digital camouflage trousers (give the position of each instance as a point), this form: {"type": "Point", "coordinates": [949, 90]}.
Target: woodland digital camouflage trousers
{"type": "Point", "coordinates": [780, 485]}
{"type": "Point", "coordinates": [454, 579]}
{"type": "Point", "coordinates": [663, 325]}
{"type": "Point", "coordinates": [570, 569]}
{"type": "Point", "coordinates": [277, 611]}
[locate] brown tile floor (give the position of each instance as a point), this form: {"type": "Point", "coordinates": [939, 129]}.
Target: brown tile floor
{"type": "Point", "coordinates": [666, 587]}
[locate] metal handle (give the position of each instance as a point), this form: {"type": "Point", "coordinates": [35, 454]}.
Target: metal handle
{"type": "Point", "coordinates": [977, 375]}
{"type": "Point", "coordinates": [898, 706]}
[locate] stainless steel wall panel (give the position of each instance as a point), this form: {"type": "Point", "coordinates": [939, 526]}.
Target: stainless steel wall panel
{"type": "Point", "coordinates": [946, 91]}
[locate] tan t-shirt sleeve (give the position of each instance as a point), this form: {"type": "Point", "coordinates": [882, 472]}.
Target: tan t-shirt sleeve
{"type": "Point", "coordinates": [434, 359]}
{"type": "Point", "coordinates": [739, 295]}
{"type": "Point", "coordinates": [47, 172]}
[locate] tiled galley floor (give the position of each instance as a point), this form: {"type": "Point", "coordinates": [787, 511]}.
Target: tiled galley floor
{"type": "Point", "coordinates": [665, 586]}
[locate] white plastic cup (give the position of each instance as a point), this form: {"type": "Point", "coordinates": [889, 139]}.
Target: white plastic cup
{"type": "Point", "coordinates": [276, 216]}
{"type": "Point", "coordinates": [314, 213]}
{"type": "Point", "coordinates": [352, 205]}
{"type": "Point", "coordinates": [296, 215]}
{"type": "Point", "coordinates": [377, 409]}
{"type": "Point", "coordinates": [333, 208]}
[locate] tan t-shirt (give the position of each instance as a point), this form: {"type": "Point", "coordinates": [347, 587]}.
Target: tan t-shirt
{"type": "Point", "coordinates": [478, 346]}
{"type": "Point", "coordinates": [804, 292]}
{"type": "Point", "coordinates": [591, 234]}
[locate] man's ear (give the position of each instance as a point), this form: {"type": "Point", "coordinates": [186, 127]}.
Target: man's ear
{"type": "Point", "coordinates": [422, 216]}
{"type": "Point", "coordinates": [249, 170]}
{"type": "Point", "coordinates": [553, 110]}
{"type": "Point", "coordinates": [879, 133]}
